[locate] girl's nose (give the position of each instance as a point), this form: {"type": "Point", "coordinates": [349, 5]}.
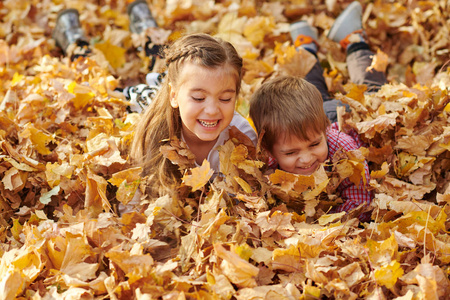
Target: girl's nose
{"type": "Point", "coordinates": [211, 106]}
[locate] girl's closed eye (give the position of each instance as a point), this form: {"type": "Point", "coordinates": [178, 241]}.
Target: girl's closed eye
{"type": "Point", "coordinates": [198, 98]}
{"type": "Point", "coordinates": [225, 100]}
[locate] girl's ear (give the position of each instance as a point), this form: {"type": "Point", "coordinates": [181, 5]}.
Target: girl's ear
{"type": "Point", "coordinates": [173, 96]}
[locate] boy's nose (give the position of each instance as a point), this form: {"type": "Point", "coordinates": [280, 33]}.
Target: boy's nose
{"type": "Point", "coordinates": [305, 158]}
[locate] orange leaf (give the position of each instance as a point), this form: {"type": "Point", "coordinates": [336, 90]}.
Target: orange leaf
{"type": "Point", "coordinates": [199, 176]}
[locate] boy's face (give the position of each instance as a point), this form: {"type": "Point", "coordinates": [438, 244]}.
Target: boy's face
{"type": "Point", "coordinates": [300, 156]}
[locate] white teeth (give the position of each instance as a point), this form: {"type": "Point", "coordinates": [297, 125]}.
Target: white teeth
{"type": "Point", "coordinates": [208, 124]}
{"type": "Point", "coordinates": [306, 167]}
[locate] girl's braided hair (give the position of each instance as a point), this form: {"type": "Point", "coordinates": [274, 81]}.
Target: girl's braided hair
{"type": "Point", "coordinates": [162, 122]}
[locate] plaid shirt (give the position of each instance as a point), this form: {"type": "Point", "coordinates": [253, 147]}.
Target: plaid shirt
{"type": "Point", "coordinates": [352, 194]}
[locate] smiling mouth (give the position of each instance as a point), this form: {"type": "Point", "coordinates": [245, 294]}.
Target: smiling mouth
{"type": "Point", "coordinates": [305, 168]}
{"type": "Point", "coordinates": [208, 124]}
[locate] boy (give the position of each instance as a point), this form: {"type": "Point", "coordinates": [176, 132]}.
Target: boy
{"type": "Point", "coordinates": [298, 135]}
{"type": "Point", "coordinates": [295, 114]}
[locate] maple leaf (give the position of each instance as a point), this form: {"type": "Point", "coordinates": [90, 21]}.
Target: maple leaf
{"type": "Point", "coordinates": [199, 176]}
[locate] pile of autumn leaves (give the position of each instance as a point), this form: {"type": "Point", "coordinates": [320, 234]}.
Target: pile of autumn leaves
{"type": "Point", "coordinates": [64, 170]}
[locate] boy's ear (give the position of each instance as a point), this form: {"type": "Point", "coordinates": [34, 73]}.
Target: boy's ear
{"type": "Point", "coordinates": [173, 96]}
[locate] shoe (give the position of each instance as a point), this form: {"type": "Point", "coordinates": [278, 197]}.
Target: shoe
{"type": "Point", "coordinates": [348, 22]}
{"type": "Point", "coordinates": [140, 97]}
{"type": "Point", "coordinates": [304, 35]}
{"type": "Point", "coordinates": [68, 30]}
{"type": "Point", "coordinates": [140, 16]}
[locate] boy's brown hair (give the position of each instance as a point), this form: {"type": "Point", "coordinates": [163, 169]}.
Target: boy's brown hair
{"type": "Point", "coordinates": [286, 106]}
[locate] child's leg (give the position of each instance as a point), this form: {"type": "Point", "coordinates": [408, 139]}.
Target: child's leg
{"type": "Point", "coordinates": [347, 30]}
{"type": "Point", "coordinates": [305, 36]}
{"type": "Point", "coordinates": [141, 18]}
{"type": "Point", "coordinates": [315, 76]}
{"type": "Point", "coordinates": [359, 58]}
{"type": "Point", "coordinates": [69, 35]}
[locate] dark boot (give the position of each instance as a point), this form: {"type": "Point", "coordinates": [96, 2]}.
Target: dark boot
{"type": "Point", "coordinates": [68, 30]}
{"type": "Point", "coordinates": [140, 16]}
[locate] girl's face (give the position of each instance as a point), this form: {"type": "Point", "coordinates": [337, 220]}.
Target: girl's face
{"type": "Point", "coordinates": [300, 156]}
{"type": "Point", "coordinates": [206, 99]}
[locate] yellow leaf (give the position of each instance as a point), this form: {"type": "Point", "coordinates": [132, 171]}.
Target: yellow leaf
{"type": "Point", "coordinates": [114, 54]}
{"type": "Point", "coordinates": [244, 185]}
{"type": "Point", "coordinates": [389, 274]}
{"type": "Point", "coordinates": [328, 218]}
{"type": "Point", "coordinates": [16, 78]}
{"type": "Point", "coordinates": [38, 138]}
{"type": "Point", "coordinates": [257, 28]}
{"type": "Point", "coordinates": [83, 94]}
{"type": "Point", "coordinates": [199, 177]}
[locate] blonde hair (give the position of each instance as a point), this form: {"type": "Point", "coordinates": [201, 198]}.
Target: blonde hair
{"type": "Point", "coordinates": [161, 122]}
{"type": "Point", "coordinates": [286, 106]}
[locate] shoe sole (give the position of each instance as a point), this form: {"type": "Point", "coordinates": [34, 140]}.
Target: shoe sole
{"type": "Point", "coordinates": [334, 29]}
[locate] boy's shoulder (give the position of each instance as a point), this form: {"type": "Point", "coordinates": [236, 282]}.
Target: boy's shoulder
{"type": "Point", "coordinates": [337, 139]}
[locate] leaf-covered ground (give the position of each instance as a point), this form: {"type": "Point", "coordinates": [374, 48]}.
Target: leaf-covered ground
{"type": "Point", "coordinates": [64, 169]}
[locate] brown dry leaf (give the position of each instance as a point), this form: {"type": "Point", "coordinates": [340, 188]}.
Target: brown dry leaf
{"type": "Point", "coordinates": [128, 182]}
{"type": "Point", "coordinates": [378, 125]}
{"type": "Point", "coordinates": [178, 153]}
{"type": "Point", "coordinates": [96, 200]}
{"type": "Point", "coordinates": [277, 222]}
{"type": "Point", "coordinates": [294, 62]}
{"type": "Point", "coordinates": [37, 137]}
{"type": "Point", "coordinates": [238, 271]}
{"type": "Point", "coordinates": [381, 173]}
{"type": "Point", "coordinates": [65, 136]}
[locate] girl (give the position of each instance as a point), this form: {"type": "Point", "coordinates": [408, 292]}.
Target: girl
{"type": "Point", "coordinates": [195, 104]}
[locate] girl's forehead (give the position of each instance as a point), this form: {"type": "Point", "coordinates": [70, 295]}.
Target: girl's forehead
{"type": "Point", "coordinates": [195, 74]}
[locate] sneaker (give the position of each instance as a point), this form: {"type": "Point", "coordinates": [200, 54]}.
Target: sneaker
{"type": "Point", "coordinates": [348, 23]}
{"type": "Point", "coordinates": [140, 16]}
{"type": "Point", "coordinates": [68, 30]}
{"type": "Point", "coordinates": [140, 97]}
{"type": "Point", "coordinates": [304, 35]}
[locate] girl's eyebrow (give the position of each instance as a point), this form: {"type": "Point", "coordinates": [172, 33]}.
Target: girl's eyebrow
{"type": "Point", "coordinates": [205, 91]}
